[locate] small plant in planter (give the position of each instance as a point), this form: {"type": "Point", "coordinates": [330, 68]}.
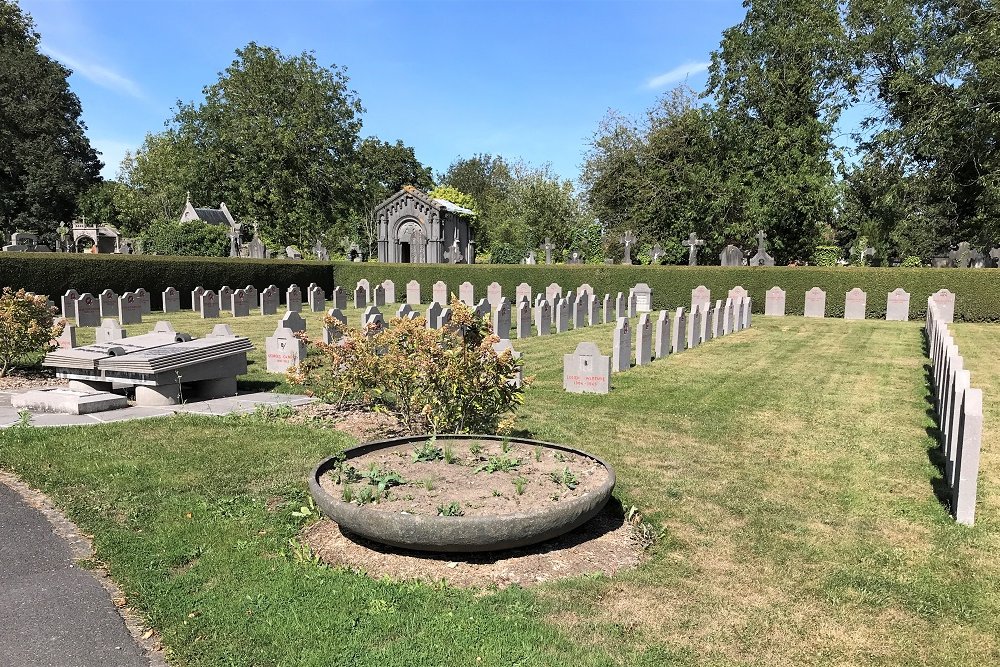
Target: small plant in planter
{"type": "Point", "coordinates": [502, 463]}
{"type": "Point", "coordinates": [565, 478]}
{"type": "Point", "coordinates": [451, 509]}
{"type": "Point", "coordinates": [427, 452]}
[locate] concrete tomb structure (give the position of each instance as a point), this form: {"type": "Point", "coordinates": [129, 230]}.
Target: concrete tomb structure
{"type": "Point", "coordinates": [586, 370]}
{"type": "Point", "coordinates": [643, 298]}
{"type": "Point", "coordinates": [415, 228]}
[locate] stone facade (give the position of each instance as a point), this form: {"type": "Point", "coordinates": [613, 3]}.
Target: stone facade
{"type": "Point", "coordinates": [414, 228]}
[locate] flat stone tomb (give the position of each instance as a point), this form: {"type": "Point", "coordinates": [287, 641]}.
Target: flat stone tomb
{"type": "Point", "coordinates": [413, 293]}
{"type": "Point", "coordinates": [897, 307]}
{"type": "Point", "coordinates": [86, 358]}
{"type": "Point", "coordinates": [586, 370]}
{"type": "Point", "coordinates": [88, 311]}
{"type": "Point", "coordinates": [109, 304]}
{"type": "Point", "coordinates": [774, 302]}
{"type": "Point", "coordinates": [815, 303]}
{"type": "Point", "coordinates": [854, 304]}
{"type": "Point", "coordinates": [68, 401]}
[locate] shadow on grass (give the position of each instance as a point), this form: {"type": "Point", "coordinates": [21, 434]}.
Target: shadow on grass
{"type": "Point", "coordinates": [934, 453]}
{"type": "Point", "coordinates": [610, 518]}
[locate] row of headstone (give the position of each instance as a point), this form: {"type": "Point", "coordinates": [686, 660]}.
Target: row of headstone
{"type": "Point", "coordinates": [588, 371]}
{"type": "Point", "coordinates": [959, 410]}
{"type": "Point", "coordinates": [897, 307]}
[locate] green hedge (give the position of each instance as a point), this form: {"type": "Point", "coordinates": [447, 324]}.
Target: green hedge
{"type": "Point", "coordinates": [54, 273]}
{"type": "Point", "coordinates": [977, 290]}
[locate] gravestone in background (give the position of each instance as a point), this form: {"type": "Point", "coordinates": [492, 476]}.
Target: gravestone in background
{"type": "Point", "coordinates": [631, 304]}
{"type": "Point", "coordinates": [717, 311]}
{"type": "Point", "coordinates": [501, 319]}
{"type": "Point", "coordinates": [815, 303]}
{"type": "Point", "coordinates": [727, 317]}
{"type": "Point", "coordinates": [226, 298]}
{"type": "Point", "coordinates": [543, 318]}
{"type": "Point", "coordinates": [147, 303]}
{"type": "Point", "coordinates": [897, 306]}
{"type": "Point", "coordinates": [700, 295]}
{"type": "Point", "coordinates": [403, 311]}
{"type": "Point", "coordinates": [738, 292]}
{"type": "Point", "coordinates": [269, 300]}
{"type": "Point", "coordinates": [440, 293]}
{"type": "Point", "coordinates": [694, 327]}
{"type": "Point", "coordinates": [434, 315]}
{"type": "Point", "coordinates": [293, 299]}
{"type": "Point", "coordinates": [621, 308]}
{"type": "Point", "coordinates": [661, 335]}
{"type": "Point", "coordinates": [580, 307]}
{"type": "Point", "coordinates": [593, 310]}
{"type": "Point", "coordinates": [621, 354]}
{"type": "Point", "coordinates": [493, 294]}
{"type": "Point", "coordinates": [372, 320]}
{"type": "Point", "coordinates": [945, 301]}
{"type": "Point", "coordinates": [523, 320]}
{"type": "Point", "coordinates": [389, 288]}
{"type": "Point", "coordinates": [731, 256]}
{"type": "Point", "coordinates": [196, 298]}
{"type": "Point", "coordinates": [643, 298]}
{"type": "Point", "coordinates": [367, 287]}
{"type": "Point", "coordinates": [481, 309]}
{"type": "Point", "coordinates": [761, 258]}
{"type": "Point", "coordinates": [360, 297]}
{"type": "Point", "coordinates": [67, 339]}
{"type": "Point", "coordinates": [523, 290]}
{"type": "Point", "coordinates": [607, 315]}
{"type": "Point", "coordinates": [283, 350]}
{"type": "Point", "coordinates": [339, 298]}
{"type": "Point", "coordinates": [586, 370]}
{"type": "Point", "coordinates": [130, 308]}
{"type": "Point", "coordinates": [774, 302]}
{"type": "Point", "coordinates": [677, 340]}
{"type": "Point", "coordinates": [644, 341]}
{"type": "Point", "coordinates": [109, 330]}
{"type": "Point", "coordinates": [317, 299]}
{"type": "Point", "coordinates": [552, 292]}
{"type": "Point", "coordinates": [209, 305]}
{"type": "Point", "coordinates": [585, 289]}
{"type": "Point", "coordinates": [855, 302]}
{"type": "Point", "coordinates": [67, 305]}
{"type": "Point", "coordinates": [413, 293]}
{"type": "Point", "coordinates": [333, 332]}
{"type": "Point", "coordinates": [292, 321]}
{"type": "Point", "coordinates": [503, 346]}
{"type": "Point", "coordinates": [240, 304]}
{"type": "Point", "coordinates": [706, 333]}
{"type": "Point", "coordinates": [109, 304]}
{"type": "Point", "coordinates": [467, 294]}
{"type": "Point", "coordinates": [253, 296]}
{"type": "Point", "coordinates": [561, 312]}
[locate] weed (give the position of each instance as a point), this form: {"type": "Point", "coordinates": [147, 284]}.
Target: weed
{"type": "Point", "coordinates": [429, 484]}
{"type": "Point", "coordinates": [306, 511]}
{"type": "Point", "coordinates": [496, 493]}
{"type": "Point", "coordinates": [23, 418]}
{"type": "Point", "coordinates": [303, 554]}
{"type": "Point", "coordinates": [498, 463]}
{"type": "Point", "coordinates": [451, 509]}
{"type": "Point", "coordinates": [475, 449]}
{"type": "Point", "coordinates": [565, 478]}
{"type": "Point", "coordinates": [382, 479]}
{"type": "Point", "coordinates": [560, 457]}
{"type": "Point", "coordinates": [505, 445]}
{"type": "Point", "coordinates": [449, 455]}
{"type": "Point", "coordinates": [646, 534]}
{"type": "Point", "coordinates": [365, 496]}
{"type": "Point", "coordinates": [519, 484]}
{"type": "Point", "coordinates": [427, 452]}
{"type": "Point", "coordinates": [348, 494]}
{"type": "Point", "coordinates": [538, 453]}
{"type": "Point", "coordinates": [346, 474]}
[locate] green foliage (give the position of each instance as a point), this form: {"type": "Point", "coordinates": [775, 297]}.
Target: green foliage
{"type": "Point", "coordinates": [166, 237]}
{"type": "Point", "coordinates": [437, 380]}
{"type": "Point", "coordinates": [451, 509]}
{"type": "Point", "coordinates": [505, 253]}
{"type": "Point", "coordinates": [565, 477]}
{"type": "Point", "coordinates": [502, 463]}
{"type": "Point", "coordinates": [54, 273]}
{"type": "Point", "coordinates": [455, 196]}
{"type": "Point", "coordinates": [47, 159]}
{"type": "Point", "coordinates": [911, 263]}
{"type": "Point", "coordinates": [428, 451]}
{"type": "Point", "coordinates": [27, 327]}
{"type": "Point", "coordinates": [519, 484]}
{"type": "Point", "coordinates": [382, 479]}
{"type": "Point", "coordinates": [826, 255]}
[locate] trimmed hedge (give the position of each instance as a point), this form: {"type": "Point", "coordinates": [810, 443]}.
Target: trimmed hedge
{"type": "Point", "coordinates": [977, 290]}
{"type": "Point", "coordinates": [54, 273]}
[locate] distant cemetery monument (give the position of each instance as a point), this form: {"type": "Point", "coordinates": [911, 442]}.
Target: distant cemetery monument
{"type": "Point", "coordinates": [216, 216]}
{"type": "Point", "coordinates": [414, 228]}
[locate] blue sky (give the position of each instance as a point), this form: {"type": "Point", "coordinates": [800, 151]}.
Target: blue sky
{"type": "Point", "coordinates": [526, 80]}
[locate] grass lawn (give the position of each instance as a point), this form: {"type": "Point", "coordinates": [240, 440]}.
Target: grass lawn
{"type": "Point", "coordinates": [792, 464]}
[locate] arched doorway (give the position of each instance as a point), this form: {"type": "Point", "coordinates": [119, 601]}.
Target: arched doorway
{"type": "Point", "coordinates": [412, 243]}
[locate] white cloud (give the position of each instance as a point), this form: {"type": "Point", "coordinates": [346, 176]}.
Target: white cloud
{"type": "Point", "coordinates": [102, 76]}
{"type": "Point", "coordinates": [678, 73]}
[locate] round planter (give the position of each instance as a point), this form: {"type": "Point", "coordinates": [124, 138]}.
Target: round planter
{"type": "Point", "coordinates": [458, 533]}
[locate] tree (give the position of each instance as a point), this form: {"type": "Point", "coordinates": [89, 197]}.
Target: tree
{"type": "Point", "coordinates": [487, 179]}
{"type": "Point", "coordinates": [46, 158]}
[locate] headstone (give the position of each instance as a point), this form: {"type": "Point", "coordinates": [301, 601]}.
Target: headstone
{"type": "Point", "coordinates": [494, 292]}
{"type": "Point", "coordinates": [530, 258]}
{"type": "Point", "coordinates": [728, 325]}
{"type": "Point", "coordinates": [607, 315]}
{"type": "Point", "coordinates": [945, 302]}
{"type": "Point", "coordinates": [700, 295]}
{"type": "Point", "coordinates": [523, 319]}
{"type": "Point", "coordinates": [552, 292]}
{"type": "Point", "coordinates": [621, 306]}
{"type": "Point", "coordinates": [269, 300]}
{"type": "Point", "coordinates": [677, 341]}
{"type": "Point", "coordinates": [109, 330]}
{"type": "Point", "coordinates": [761, 258]}
{"type": "Point", "coordinates": [196, 298]}
{"type": "Point", "coordinates": [657, 254]}
{"type": "Point", "coordinates": [334, 325]}
{"type": "Point", "coordinates": [403, 311]}
{"type": "Point", "coordinates": [717, 313]}
{"type": "Point", "coordinates": [360, 297]}
{"type": "Point", "coordinates": [586, 370]}
{"type": "Point", "coordinates": [372, 321]}
{"type": "Point", "coordinates": [621, 354]}
{"type": "Point", "coordinates": [440, 293]}
{"type": "Point", "coordinates": [738, 292]}
{"type": "Point", "coordinates": [644, 340]}
{"type": "Point", "coordinates": [593, 310]}
{"type": "Point", "coordinates": [253, 296]}
{"type": "Point", "coordinates": [413, 293]}
{"type": "Point", "coordinates": [293, 320]}
{"type": "Point", "coordinates": [692, 244]}
{"type": "Point", "coordinates": [67, 339]}
{"type": "Point", "coordinates": [68, 304]}
{"type": "Point", "coordinates": [897, 306]}
{"type": "Point", "coordinates": [389, 288]}
{"type": "Point", "coordinates": [147, 303]}
{"type": "Point", "coordinates": [706, 333]}
{"type": "Point", "coordinates": [317, 299]}
{"type": "Point", "coordinates": [694, 327]}
{"type": "Point", "coordinates": [643, 298]}
{"type": "Point", "coordinates": [467, 293]}
{"type": "Point", "coordinates": [628, 240]}
{"type": "Point", "coordinates": [209, 305]}
{"type": "Point", "coordinates": [815, 303]}
{"type": "Point", "coordinates": [226, 298]}
{"type": "Point", "coordinates": [109, 304]}
{"type": "Point", "coordinates": [339, 298]}
{"type": "Point", "coordinates": [434, 315]}
{"type": "Point", "coordinates": [661, 335]}
{"type": "Point", "coordinates": [257, 249]}
{"type": "Point", "coordinates": [575, 257]}
{"type": "Point", "coordinates": [747, 309]}
{"type": "Point", "coordinates": [481, 309]}
{"type": "Point", "coordinates": [854, 304]}
{"type": "Point", "coordinates": [561, 312]}
{"type": "Point", "coordinates": [631, 304]}
{"type": "Point", "coordinates": [523, 291]}
{"type": "Point", "coordinates": [130, 309]}
{"type": "Point", "coordinates": [774, 302]}
{"type": "Point", "coordinates": [580, 308]}
{"type": "Point", "coordinates": [968, 446]}
{"type": "Point", "coordinates": [293, 299]}
{"type": "Point", "coordinates": [503, 346]}
{"type": "Point", "coordinates": [283, 350]}
{"type": "Point", "coordinates": [501, 319]}
{"type": "Point", "coordinates": [731, 256]}
{"type": "Point", "coordinates": [367, 286]}
{"type": "Point", "coordinates": [543, 318]}
{"type": "Point", "coordinates": [240, 306]}
{"type": "Point", "coordinates": [548, 247]}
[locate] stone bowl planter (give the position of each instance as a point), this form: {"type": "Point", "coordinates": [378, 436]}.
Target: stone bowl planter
{"type": "Point", "coordinates": [494, 532]}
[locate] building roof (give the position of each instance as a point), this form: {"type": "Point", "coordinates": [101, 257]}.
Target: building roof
{"type": "Point", "coordinates": [452, 206]}
{"type": "Point", "coordinates": [215, 216]}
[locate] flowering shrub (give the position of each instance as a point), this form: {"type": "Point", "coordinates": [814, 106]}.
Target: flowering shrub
{"type": "Point", "coordinates": [27, 326]}
{"type": "Point", "coordinates": [432, 380]}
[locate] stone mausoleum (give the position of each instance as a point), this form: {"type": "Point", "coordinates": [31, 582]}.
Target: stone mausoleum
{"type": "Point", "coordinates": [415, 228]}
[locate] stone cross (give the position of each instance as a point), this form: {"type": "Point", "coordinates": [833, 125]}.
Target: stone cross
{"type": "Point", "coordinates": [548, 247]}
{"type": "Point", "coordinates": [657, 254]}
{"type": "Point", "coordinates": [692, 244]}
{"type": "Point", "coordinates": [761, 258]}
{"type": "Point", "coordinates": [628, 240]}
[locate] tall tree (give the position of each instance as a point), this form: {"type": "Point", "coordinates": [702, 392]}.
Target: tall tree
{"type": "Point", "coordinates": [780, 80]}
{"type": "Point", "coordinates": [487, 179]}
{"type": "Point", "coordinates": [46, 159]}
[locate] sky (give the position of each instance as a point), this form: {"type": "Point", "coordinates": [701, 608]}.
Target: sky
{"type": "Point", "coordinates": [525, 80]}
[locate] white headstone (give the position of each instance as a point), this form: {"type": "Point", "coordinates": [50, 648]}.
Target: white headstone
{"type": "Point", "coordinates": [774, 302]}
{"type": "Point", "coordinates": [413, 293]}
{"type": "Point", "coordinates": [389, 288]}
{"type": "Point", "coordinates": [494, 292]}
{"type": "Point", "coordinates": [854, 304]}
{"type": "Point", "coordinates": [586, 370]}
{"type": "Point", "coordinates": [283, 350]}
{"type": "Point", "coordinates": [643, 298]}
{"type": "Point", "coordinates": [467, 293]}
{"type": "Point", "coordinates": [552, 292]}
{"type": "Point", "coordinates": [897, 306]}
{"type": "Point", "coordinates": [945, 301]}
{"type": "Point", "coordinates": [523, 290]}
{"type": "Point", "coordinates": [815, 303]}
{"type": "Point", "coordinates": [440, 293]}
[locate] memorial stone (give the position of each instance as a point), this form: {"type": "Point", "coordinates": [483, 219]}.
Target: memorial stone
{"type": "Point", "coordinates": [593, 310]}
{"type": "Point", "coordinates": [440, 293]}
{"type": "Point", "coordinates": [226, 298]}
{"type": "Point", "coordinates": [694, 337]}
{"type": "Point", "coordinates": [692, 244]}
{"type": "Point", "coordinates": [334, 326]}
{"type": "Point", "coordinates": [109, 304]}
{"type": "Point", "coordinates": [504, 346]}
{"type": "Point", "coordinates": [253, 296]}
{"type": "Point", "coordinates": [372, 321]}
{"type": "Point", "coordinates": [269, 300]}
{"type": "Point", "coordinates": [403, 311]}
{"type": "Point", "coordinates": [209, 305]}
{"type": "Point", "coordinates": [731, 256]}
{"type": "Point", "coordinates": [728, 326]}
{"type": "Point", "coordinates": [283, 350]}
{"type": "Point", "coordinates": [494, 292]}
{"type": "Point", "coordinates": [523, 291]}
{"type": "Point", "coordinates": [434, 315]}
{"type": "Point", "coordinates": [501, 319]}
{"type": "Point", "coordinates": [661, 335]}
{"type": "Point", "coordinates": [68, 304]}
{"type": "Point", "coordinates": [562, 315]}
{"type": "Point", "coordinates": [109, 330]}
{"type": "Point", "coordinates": [552, 292]}
{"type": "Point", "coordinates": [774, 302]}
{"type": "Point", "coordinates": [643, 298]}
{"type": "Point", "coordinates": [738, 292]}
{"type": "Point", "coordinates": [580, 307]}
{"type": "Point", "coordinates": [240, 303]}
{"type": "Point", "coordinates": [147, 304]}
{"type": "Point", "coordinates": [482, 309]}
{"type": "Point", "coordinates": [196, 298]}
{"type": "Point", "coordinates": [367, 287]}
{"type": "Point", "coordinates": [968, 447]}
{"type": "Point", "coordinates": [815, 303]}
{"type": "Point", "coordinates": [523, 320]}
{"type": "Point", "coordinates": [360, 297]}
{"type": "Point", "coordinates": [761, 258]}
{"type": "Point", "coordinates": [130, 308]}
{"type": "Point", "coordinates": [717, 329]}
{"type": "Point", "coordinates": [67, 339]}
{"type": "Point", "coordinates": [467, 293]}
{"type": "Point", "coordinates": [606, 313]}
{"type": "Point", "coordinates": [644, 340]}
{"type": "Point", "coordinates": [586, 370]}
{"type": "Point", "coordinates": [621, 354]}
{"type": "Point", "coordinates": [293, 321]}
{"type": "Point", "coordinates": [677, 340]}
{"type": "Point", "coordinates": [444, 318]}
{"type": "Point", "coordinates": [413, 293]}
{"type": "Point", "coordinates": [317, 299]}
{"type": "Point", "coordinates": [339, 298]}
{"type": "Point", "coordinates": [854, 304]}
{"type": "Point", "coordinates": [632, 304]}
{"type": "Point", "coordinates": [543, 318]}
{"type": "Point", "coordinates": [293, 299]}
{"type": "Point", "coordinates": [389, 287]}
{"type": "Point", "coordinates": [897, 306]}
{"type": "Point", "coordinates": [706, 333]}
{"type": "Point", "coordinates": [945, 301]}
{"type": "Point", "coordinates": [621, 307]}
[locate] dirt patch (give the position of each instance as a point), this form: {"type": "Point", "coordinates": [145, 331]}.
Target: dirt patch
{"type": "Point", "coordinates": [355, 421]}
{"type": "Point", "coordinates": [604, 545]}
{"type": "Point", "coordinates": [30, 379]}
{"type": "Point", "coordinates": [465, 477]}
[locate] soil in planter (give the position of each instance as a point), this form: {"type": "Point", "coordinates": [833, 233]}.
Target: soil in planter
{"type": "Point", "coordinates": [484, 478]}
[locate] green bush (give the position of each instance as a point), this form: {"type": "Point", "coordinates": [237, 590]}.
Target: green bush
{"type": "Point", "coordinates": [166, 237]}
{"type": "Point", "coordinates": [505, 253]}
{"type": "Point", "coordinates": [54, 273]}
{"type": "Point", "coordinates": [27, 327]}
{"type": "Point", "coordinates": [977, 290]}
{"type": "Point", "coordinates": [911, 262]}
{"type": "Point", "coordinates": [826, 255]}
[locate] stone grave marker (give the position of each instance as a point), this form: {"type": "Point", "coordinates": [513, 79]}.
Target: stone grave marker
{"type": "Point", "coordinates": [631, 303]}
{"type": "Point", "coordinates": [389, 287]}
{"type": "Point", "coordinates": [226, 298]}
{"type": "Point", "coordinates": [738, 292]}
{"type": "Point", "coordinates": [694, 326]}
{"type": "Point", "coordinates": [171, 300]}
{"type": "Point", "coordinates": [586, 370]}
{"type": "Point", "coordinates": [372, 321]}
{"type": "Point", "coordinates": [606, 313]}
{"type": "Point", "coordinates": [677, 340]}
{"type": "Point", "coordinates": [728, 325]}
{"type": "Point", "coordinates": [440, 293]}
{"type": "Point", "coordinates": [644, 340]}
{"type": "Point", "coordinates": [240, 304]}
{"type": "Point", "coordinates": [543, 318]}
{"type": "Point", "coordinates": [897, 306]}
{"type": "Point", "coordinates": [339, 298]}
{"type": "Point", "coordinates": [130, 308]}
{"type": "Point", "coordinates": [253, 296]}
{"type": "Point", "coordinates": [774, 302]}
{"type": "Point", "coordinates": [621, 307]}
{"type": "Point", "coordinates": [661, 335]}
{"type": "Point", "coordinates": [692, 244]}
{"type": "Point", "coordinates": [706, 333]}
{"type": "Point", "coordinates": [283, 350]}
{"type": "Point", "coordinates": [209, 306]}
{"type": "Point", "coordinates": [293, 299]}
{"type": "Point", "coordinates": [968, 448]}
{"type": "Point", "coordinates": [552, 292]}
{"type": "Point", "coordinates": [503, 346]}
{"type": "Point", "coordinates": [593, 310]}
{"type": "Point", "coordinates": [523, 290]}
{"type": "Point", "coordinates": [144, 299]}
{"type": "Point", "coordinates": [643, 298]}
{"type": "Point", "coordinates": [67, 339]}
{"type": "Point", "coordinates": [854, 304]}
{"type": "Point", "coordinates": [367, 286]}
{"type": "Point", "coordinates": [269, 300]}
{"type": "Point", "coordinates": [945, 301]}
{"type": "Point", "coordinates": [445, 317]}
{"type": "Point", "coordinates": [403, 311]}
{"type": "Point", "coordinates": [815, 303]}
{"type": "Point", "coordinates": [434, 315]}
{"type": "Point", "coordinates": [317, 299]}
{"type": "Point", "coordinates": [482, 309]}
{"type": "Point", "coordinates": [467, 293]}
{"type": "Point", "coordinates": [501, 319]}
{"type": "Point", "coordinates": [700, 295]}
{"type": "Point", "coordinates": [621, 355]}
{"type": "Point", "coordinates": [494, 292]}
{"type": "Point", "coordinates": [413, 293]}
{"type": "Point", "coordinates": [196, 298]}
{"type": "Point", "coordinates": [561, 312]}
{"type": "Point", "coordinates": [580, 308]}
{"type": "Point", "coordinates": [761, 258]}
{"type": "Point", "coordinates": [747, 312]}
{"type": "Point", "coordinates": [68, 304]}
{"type": "Point", "coordinates": [731, 256]}
{"type": "Point", "coordinates": [334, 325]}
{"type": "Point", "coordinates": [293, 321]}
{"type": "Point", "coordinates": [109, 304]}
{"type": "Point", "coordinates": [523, 320]}
{"type": "Point", "coordinates": [360, 297]}
{"type": "Point", "coordinates": [109, 330]}
{"type": "Point", "coordinates": [585, 289]}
